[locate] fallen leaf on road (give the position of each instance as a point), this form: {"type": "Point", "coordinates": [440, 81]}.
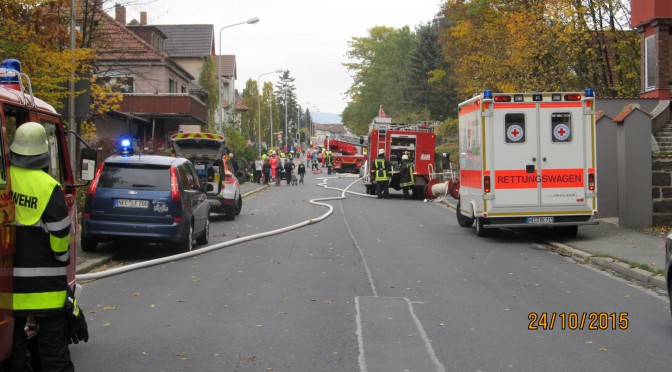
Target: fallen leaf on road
{"type": "Point", "coordinates": [107, 324]}
{"type": "Point", "coordinates": [144, 353]}
{"type": "Point", "coordinates": [152, 306]}
{"type": "Point", "coordinates": [250, 358]}
{"type": "Point", "coordinates": [329, 301]}
{"type": "Point", "coordinates": [110, 308]}
{"type": "Point", "coordinates": [181, 353]}
{"type": "Point", "coordinates": [136, 294]}
{"type": "Point", "coordinates": [603, 349]}
{"type": "Point", "coordinates": [442, 324]}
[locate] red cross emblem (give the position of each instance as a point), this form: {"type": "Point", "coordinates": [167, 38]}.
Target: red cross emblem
{"type": "Point", "coordinates": [515, 133]}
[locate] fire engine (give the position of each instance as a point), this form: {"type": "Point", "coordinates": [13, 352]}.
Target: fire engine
{"type": "Point", "coordinates": [418, 141]}
{"type": "Point", "coordinates": [347, 156]}
{"type": "Point", "coordinates": [527, 159]}
{"type": "Point", "coordinates": [17, 106]}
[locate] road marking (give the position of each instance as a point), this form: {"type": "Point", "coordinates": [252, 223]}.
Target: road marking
{"type": "Point", "coordinates": [391, 337]}
{"type": "Point", "coordinates": [369, 275]}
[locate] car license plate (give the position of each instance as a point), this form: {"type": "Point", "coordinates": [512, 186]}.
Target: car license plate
{"type": "Point", "coordinates": [534, 220]}
{"type": "Point", "coordinates": [131, 203]}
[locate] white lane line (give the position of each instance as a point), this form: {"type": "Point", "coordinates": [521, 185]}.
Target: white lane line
{"type": "Point", "coordinates": [428, 343]}
{"type": "Point", "coordinates": [369, 275]}
{"type": "Point", "coordinates": [360, 338]}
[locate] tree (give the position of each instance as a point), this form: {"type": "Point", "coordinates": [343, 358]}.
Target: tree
{"type": "Point", "coordinates": [286, 96]}
{"type": "Point", "coordinates": [208, 80]}
{"type": "Point", "coordinates": [248, 120]}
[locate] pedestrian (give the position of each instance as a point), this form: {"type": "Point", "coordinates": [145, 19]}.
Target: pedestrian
{"type": "Point", "coordinates": [406, 173]}
{"type": "Point", "coordinates": [41, 259]}
{"type": "Point", "coordinates": [274, 163]}
{"type": "Point", "coordinates": [302, 172]}
{"type": "Point", "coordinates": [289, 167]}
{"type": "Point", "coordinates": [266, 169]}
{"type": "Point", "coordinates": [314, 164]}
{"type": "Point", "coordinates": [308, 158]}
{"type": "Point", "coordinates": [329, 160]}
{"type": "Point", "coordinates": [234, 163]}
{"type": "Point", "coordinates": [258, 167]}
{"type": "Point", "coordinates": [279, 170]}
{"type": "Point", "coordinates": [381, 174]}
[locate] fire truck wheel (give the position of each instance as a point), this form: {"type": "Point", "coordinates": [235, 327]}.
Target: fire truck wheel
{"type": "Point", "coordinates": [480, 230]}
{"type": "Point", "coordinates": [463, 221]}
{"type": "Point", "coordinates": [89, 244]}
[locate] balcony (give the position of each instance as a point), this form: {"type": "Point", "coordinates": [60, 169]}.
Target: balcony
{"type": "Point", "coordinates": [180, 106]}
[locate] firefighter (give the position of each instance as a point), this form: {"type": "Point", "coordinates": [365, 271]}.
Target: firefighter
{"type": "Point", "coordinates": [329, 160]}
{"type": "Point", "coordinates": [41, 259]}
{"type": "Point", "coordinates": [407, 180]}
{"type": "Point", "coordinates": [381, 174]}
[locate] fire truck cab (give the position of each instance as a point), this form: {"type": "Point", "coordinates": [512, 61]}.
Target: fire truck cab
{"type": "Point", "coordinates": [18, 105]}
{"type": "Point", "coordinates": [418, 141]}
{"type": "Point", "coordinates": [527, 159]}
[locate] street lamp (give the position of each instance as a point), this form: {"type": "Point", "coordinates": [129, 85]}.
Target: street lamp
{"type": "Point", "coordinates": [259, 105]}
{"type": "Point", "coordinates": [250, 21]}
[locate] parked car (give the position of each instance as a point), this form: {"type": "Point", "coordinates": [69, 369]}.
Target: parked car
{"type": "Point", "coordinates": [668, 266]}
{"type": "Point", "coordinates": [208, 152]}
{"type": "Point", "coordinates": [147, 197]}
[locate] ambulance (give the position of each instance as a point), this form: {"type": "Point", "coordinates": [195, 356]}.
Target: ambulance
{"type": "Point", "coordinates": [210, 156]}
{"type": "Point", "coordinates": [527, 160]}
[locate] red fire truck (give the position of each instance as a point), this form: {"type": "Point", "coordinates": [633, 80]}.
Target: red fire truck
{"type": "Point", "coordinates": [418, 141]}
{"type": "Point", "coordinates": [348, 153]}
{"type": "Point", "coordinates": [18, 105]}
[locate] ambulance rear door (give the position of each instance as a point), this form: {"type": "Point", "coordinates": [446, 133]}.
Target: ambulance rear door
{"type": "Point", "coordinates": [514, 158]}
{"type": "Point", "coordinates": [564, 136]}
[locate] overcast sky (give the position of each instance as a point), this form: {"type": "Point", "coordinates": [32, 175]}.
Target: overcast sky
{"type": "Point", "coordinates": [308, 37]}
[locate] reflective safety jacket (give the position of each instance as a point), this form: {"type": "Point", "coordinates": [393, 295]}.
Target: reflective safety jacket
{"type": "Point", "coordinates": [406, 176]}
{"type": "Point", "coordinates": [381, 168]}
{"type": "Point", "coordinates": [330, 159]}
{"type": "Point", "coordinates": [42, 242]}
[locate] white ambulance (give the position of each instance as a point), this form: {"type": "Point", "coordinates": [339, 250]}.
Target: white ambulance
{"type": "Point", "coordinates": [526, 160]}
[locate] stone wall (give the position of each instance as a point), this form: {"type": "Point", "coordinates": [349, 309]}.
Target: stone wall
{"type": "Point", "coordinates": [662, 189]}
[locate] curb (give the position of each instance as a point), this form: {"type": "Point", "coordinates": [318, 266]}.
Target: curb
{"type": "Point", "coordinates": [604, 262]}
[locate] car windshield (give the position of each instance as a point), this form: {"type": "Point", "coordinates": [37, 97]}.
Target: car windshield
{"type": "Point", "coordinates": [123, 176]}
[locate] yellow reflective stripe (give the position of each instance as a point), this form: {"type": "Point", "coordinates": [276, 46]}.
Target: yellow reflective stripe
{"type": "Point", "coordinates": [59, 245]}
{"type": "Point", "coordinates": [5, 301]}
{"type": "Point", "coordinates": [41, 300]}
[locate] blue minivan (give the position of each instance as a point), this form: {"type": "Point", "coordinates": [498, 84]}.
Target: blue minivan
{"type": "Point", "coordinates": [147, 197]}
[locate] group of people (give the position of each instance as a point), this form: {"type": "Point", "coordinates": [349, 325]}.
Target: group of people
{"type": "Point", "coordinates": [326, 158]}
{"type": "Point", "coordinates": [380, 173]}
{"type": "Point", "coordinates": [271, 169]}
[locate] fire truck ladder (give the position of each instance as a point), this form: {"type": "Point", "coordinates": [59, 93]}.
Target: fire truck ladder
{"type": "Point", "coordinates": [349, 139]}
{"type": "Point", "coordinates": [425, 126]}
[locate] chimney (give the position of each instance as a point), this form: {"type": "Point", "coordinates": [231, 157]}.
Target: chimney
{"type": "Point", "coordinates": [120, 14]}
{"type": "Point", "coordinates": [143, 18]}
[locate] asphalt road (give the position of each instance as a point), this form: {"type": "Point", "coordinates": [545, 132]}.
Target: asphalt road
{"type": "Point", "coordinates": [380, 285]}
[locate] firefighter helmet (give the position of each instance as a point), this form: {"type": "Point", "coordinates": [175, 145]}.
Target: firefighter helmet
{"type": "Point", "coordinates": [30, 148]}
{"type": "Point", "coordinates": [381, 151]}
{"type": "Point", "coordinates": [404, 157]}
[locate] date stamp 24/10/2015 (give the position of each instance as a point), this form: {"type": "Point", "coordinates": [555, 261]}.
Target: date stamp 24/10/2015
{"type": "Point", "coordinates": [578, 321]}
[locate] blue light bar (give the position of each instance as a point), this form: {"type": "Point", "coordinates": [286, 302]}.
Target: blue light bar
{"type": "Point", "coordinates": [125, 142]}
{"type": "Point", "coordinates": [487, 94]}
{"type": "Point", "coordinates": [590, 92]}
{"type": "Point", "coordinates": [10, 64]}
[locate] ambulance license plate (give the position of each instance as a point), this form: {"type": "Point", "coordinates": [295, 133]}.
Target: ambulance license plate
{"type": "Point", "coordinates": [131, 203]}
{"type": "Point", "coordinates": [534, 220]}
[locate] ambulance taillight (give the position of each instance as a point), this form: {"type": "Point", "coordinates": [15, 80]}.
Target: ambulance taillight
{"type": "Point", "coordinates": [591, 181]}
{"type": "Point", "coordinates": [502, 99]}
{"type": "Point", "coordinates": [572, 97]}
{"type": "Point", "coordinates": [486, 184]}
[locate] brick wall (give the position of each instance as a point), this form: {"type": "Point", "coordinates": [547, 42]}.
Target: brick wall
{"type": "Point", "coordinates": [662, 189]}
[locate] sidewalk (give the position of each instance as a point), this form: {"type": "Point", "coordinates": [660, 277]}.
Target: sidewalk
{"type": "Point", "coordinates": [613, 247]}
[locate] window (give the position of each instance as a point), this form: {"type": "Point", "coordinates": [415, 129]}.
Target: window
{"type": "Point", "coordinates": [121, 84]}
{"type": "Point", "coordinates": [172, 84]}
{"type": "Point", "coordinates": [514, 128]}
{"type": "Point", "coordinates": [52, 141]}
{"type": "Point", "coordinates": [561, 127]}
{"type": "Point", "coordinates": [183, 88]}
{"type": "Point", "coordinates": [650, 62]}
{"type": "Point", "coordinates": [135, 177]}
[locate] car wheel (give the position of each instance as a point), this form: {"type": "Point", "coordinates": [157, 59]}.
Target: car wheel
{"type": "Point", "coordinates": [89, 244]}
{"type": "Point", "coordinates": [203, 239]}
{"type": "Point", "coordinates": [480, 230]}
{"type": "Point", "coordinates": [239, 204]}
{"type": "Point", "coordinates": [229, 212]}
{"type": "Point", "coordinates": [187, 244]}
{"type": "Point", "coordinates": [462, 220]}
